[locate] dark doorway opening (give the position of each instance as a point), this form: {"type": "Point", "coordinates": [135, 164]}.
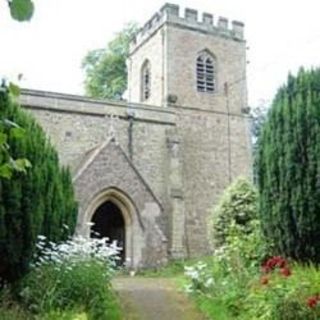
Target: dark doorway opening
{"type": "Point", "coordinates": [108, 222]}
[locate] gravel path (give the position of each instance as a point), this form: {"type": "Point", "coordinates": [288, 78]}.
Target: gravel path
{"type": "Point", "coordinates": [153, 299]}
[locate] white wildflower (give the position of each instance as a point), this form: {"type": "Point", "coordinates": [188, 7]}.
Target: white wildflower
{"type": "Point", "coordinates": [75, 250]}
{"type": "Point", "coordinates": [188, 288]}
{"type": "Point", "coordinates": [209, 282]}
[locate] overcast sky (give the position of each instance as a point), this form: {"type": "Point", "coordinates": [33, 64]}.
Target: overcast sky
{"type": "Point", "coordinates": [281, 35]}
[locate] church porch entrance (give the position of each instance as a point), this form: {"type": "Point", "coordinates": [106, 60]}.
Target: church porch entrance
{"type": "Point", "coordinates": [108, 222]}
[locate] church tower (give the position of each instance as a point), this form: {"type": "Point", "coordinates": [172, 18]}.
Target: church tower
{"type": "Point", "coordinates": [187, 61]}
{"type": "Point", "coordinates": [195, 67]}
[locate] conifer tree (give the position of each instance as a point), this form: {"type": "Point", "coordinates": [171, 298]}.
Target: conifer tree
{"type": "Point", "coordinates": [39, 201]}
{"type": "Point", "coordinates": [288, 166]}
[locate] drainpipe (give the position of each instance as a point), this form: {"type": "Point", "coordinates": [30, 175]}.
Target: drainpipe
{"type": "Point", "coordinates": [226, 92]}
{"type": "Point", "coordinates": [130, 114]}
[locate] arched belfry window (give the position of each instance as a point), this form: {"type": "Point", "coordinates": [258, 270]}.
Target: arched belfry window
{"type": "Point", "coordinates": [206, 72]}
{"type": "Point", "coordinates": [145, 81]}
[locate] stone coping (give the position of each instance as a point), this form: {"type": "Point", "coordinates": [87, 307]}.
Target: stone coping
{"type": "Point", "coordinates": [67, 103]}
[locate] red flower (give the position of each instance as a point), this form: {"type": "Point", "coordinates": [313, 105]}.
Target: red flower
{"type": "Point", "coordinates": [265, 269]}
{"type": "Point", "coordinates": [264, 280]}
{"type": "Point", "coordinates": [274, 262]}
{"type": "Point", "coordinates": [285, 271]}
{"type": "Point", "coordinates": [281, 263]}
{"type": "Point", "coordinates": [312, 302]}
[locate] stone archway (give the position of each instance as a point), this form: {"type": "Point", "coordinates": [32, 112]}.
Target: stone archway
{"type": "Point", "coordinates": [108, 222]}
{"type": "Point", "coordinates": [114, 216]}
{"type": "Point", "coordinates": [107, 174]}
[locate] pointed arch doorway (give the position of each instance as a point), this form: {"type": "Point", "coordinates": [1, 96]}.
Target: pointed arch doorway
{"type": "Point", "coordinates": [108, 221]}
{"type": "Point", "coordinates": [111, 213]}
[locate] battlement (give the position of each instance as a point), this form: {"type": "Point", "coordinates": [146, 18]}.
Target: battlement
{"type": "Point", "coordinates": [170, 13]}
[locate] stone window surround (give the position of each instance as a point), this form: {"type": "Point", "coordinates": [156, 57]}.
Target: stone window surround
{"type": "Point", "coordinates": [208, 72]}
{"type": "Point", "coordinates": [145, 80]}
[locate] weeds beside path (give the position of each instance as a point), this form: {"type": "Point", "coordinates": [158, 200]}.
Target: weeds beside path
{"type": "Point", "coordinates": [154, 299]}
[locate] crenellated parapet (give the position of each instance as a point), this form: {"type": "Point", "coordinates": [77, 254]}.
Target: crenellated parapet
{"type": "Point", "coordinates": [170, 13]}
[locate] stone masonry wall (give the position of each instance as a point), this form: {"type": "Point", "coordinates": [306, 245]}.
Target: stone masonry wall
{"type": "Point", "coordinates": [110, 168]}
{"type": "Point", "coordinates": [211, 159]}
{"type": "Point", "coordinates": [75, 125]}
{"type": "Point", "coordinates": [152, 50]}
{"type": "Point", "coordinates": [182, 153]}
{"type": "Point", "coordinates": [184, 45]}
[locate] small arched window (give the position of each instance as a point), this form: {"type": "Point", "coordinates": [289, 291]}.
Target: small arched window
{"type": "Point", "coordinates": [206, 73]}
{"type": "Point", "coordinates": [145, 81]}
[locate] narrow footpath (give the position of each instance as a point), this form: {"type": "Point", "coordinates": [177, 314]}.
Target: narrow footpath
{"type": "Point", "coordinates": [154, 299]}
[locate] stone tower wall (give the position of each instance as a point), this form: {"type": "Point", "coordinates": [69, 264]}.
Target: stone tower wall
{"type": "Point", "coordinates": [183, 47]}
{"type": "Point", "coordinates": [153, 51]}
{"type": "Point", "coordinates": [211, 136]}
{"type": "Point", "coordinates": [215, 150]}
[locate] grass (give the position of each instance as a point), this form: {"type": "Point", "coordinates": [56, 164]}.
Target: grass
{"type": "Point", "coordinates": [16, 313]}
{"type": "Point", "coordinates": [212, 309]}
{"type": "Point", "coordinates": [173, 269]}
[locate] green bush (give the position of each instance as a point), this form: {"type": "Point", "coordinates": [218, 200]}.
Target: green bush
{"type": "Point", "coordinates": [238, 205]}
{"type": "Point", "coordinates": [13, 312]}
{"type": "Point", "coordinates": [288, 167]}
{"type": "Point", "coordinates": [222, 285]}
{"type": "Point", "coordinates": [227, 288]}
{"type": "Point", "coordinates": [48, 290]}
{"type": "Point", "coordinates": [72, 276]}
{"type": "Point", "coordinates": [285, 297]}
{"type": "Point", "coordinates": [240, 283]}
{"type": "Point", "coordinates": [40, 201]}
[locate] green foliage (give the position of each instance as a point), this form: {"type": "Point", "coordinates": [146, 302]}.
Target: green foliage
{"type": "Point", "coordinates": [38, 201]}
{"type": "Point", "coordinates": [237, 205]}
{"type": "Point", "coordinates": [284, 298]}
{"type": "Point", "coordinates": [231, 286]}
{"type": "Point", "coordinates": [258, 117]}
{"type": "Point", "coordinates": [48, 290]}
{"type": "Point", "coordinates": [221, 285]}
{"type": "Point", "coordinates": [288, 167]}
{"type": "Point", "coordinates": [21, 10]}
{"type": "Point", "coordinates": [9, 129]}
{"type": "Point", "coordinates": [106, 70]}
{"type": "Point", "coordinates": [71, 276]}
{"type": "Point", "coordinates": [173, 268]}
{"type": "Point", "coordinates": [9, 310]}
{"type": "Point", "coordinates": [245, 250]}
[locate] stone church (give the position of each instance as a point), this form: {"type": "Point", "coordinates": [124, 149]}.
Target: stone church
{"type": "Point", "coordinates": [147, 171]}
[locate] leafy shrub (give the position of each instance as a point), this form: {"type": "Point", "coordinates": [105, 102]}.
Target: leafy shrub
{"type": "Point", "coordinates": [221, 286]}
{"type": "Point", "coordinates": [238, 205]}
{"type": "Point", "coordinates": [200, 278]}
{"type": "Point", "coordinates": [39, 201]}
{"type": "Point", "coordinates": [284, 292]}
{"type": "Point", "coordinates": [74, 275]}
{"type": "Point", "coordinates": [278, 291]}
{"type": "Point", "coordinates": [12, 312]}
{"type": "Point", "coordinates": [240, 283]}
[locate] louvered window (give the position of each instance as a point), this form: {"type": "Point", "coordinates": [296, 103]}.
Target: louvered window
{"type": "Point", "coordinates": [206, 73]}
{"type": "Point", "coordinates": [146, 81]}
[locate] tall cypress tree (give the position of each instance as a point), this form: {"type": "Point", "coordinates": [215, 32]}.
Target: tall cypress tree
{"type": "Point", "coordinates": [38, 202]}
{"type": "Point", "coordinates": [288, 166]}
